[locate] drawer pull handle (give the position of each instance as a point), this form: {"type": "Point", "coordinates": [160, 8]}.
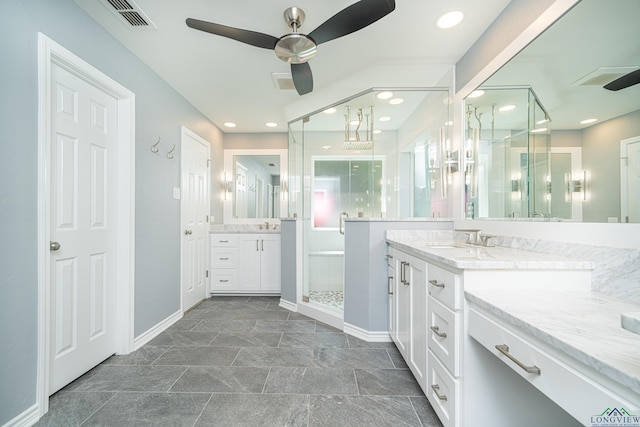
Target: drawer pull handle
{"type": "Point", "coordinates": [390, 285]}
{"type": "Point", "coordinates": [504, 349]}
{"type": "Point", "coordinates": [435, 283]}
{"type": "Point", "coordinates": [224, 259]}
{"type": "Point", "coordinates": [436, 330]}
{"type": "Point", "coordinates": [223, 241]}
{"type": "Point", "coordinates": [436, 388]}
{"type": "Point", "coordinates": [224, 280]}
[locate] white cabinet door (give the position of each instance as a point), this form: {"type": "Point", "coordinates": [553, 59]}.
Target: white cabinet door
{"type": "Point", "coordinates": [249, 262]}
{"type": "Point", "coordinates": [270, 263]}
{"type": "Point", "coordinates": [402, 306]}
{"type": "Point", "coordinates": [418, 318]}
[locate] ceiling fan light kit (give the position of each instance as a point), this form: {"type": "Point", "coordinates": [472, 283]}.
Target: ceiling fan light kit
{"type": "Point", "coordinates": [297, 48]}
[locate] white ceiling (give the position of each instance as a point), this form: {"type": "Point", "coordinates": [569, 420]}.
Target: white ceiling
{"type": "Point", "coordinates": [230, 81]}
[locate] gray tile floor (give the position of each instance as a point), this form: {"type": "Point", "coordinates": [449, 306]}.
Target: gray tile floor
{"type": "Point", "coordinates": [244, 361]}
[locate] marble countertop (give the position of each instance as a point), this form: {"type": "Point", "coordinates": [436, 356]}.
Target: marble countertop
{"type": "Point", "coordinates": [584, 325]}
{"type": "Point", "coordinates": [244, 228]}
{"type": "Point", "coordinates": [461, 255]}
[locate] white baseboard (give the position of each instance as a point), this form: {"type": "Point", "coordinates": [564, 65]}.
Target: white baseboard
{"type": "Point", "coordinates": [368, 336]}
{"type": "Point", "coordinates": [147, 336]}
{"type": "Point", "coordinates": [25, 419]}
{"type": "Point", "coordinates": [288, 305]}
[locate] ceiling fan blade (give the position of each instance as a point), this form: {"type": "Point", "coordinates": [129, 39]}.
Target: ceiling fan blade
{"type": "Point", "coordinates": [633, 78]}
{"type": "Point", "coordinates": [245, 36]}
{"type": "Point", "coordinates": [302, 78]}
{"type": "Point", "coordinates": [351, 19]}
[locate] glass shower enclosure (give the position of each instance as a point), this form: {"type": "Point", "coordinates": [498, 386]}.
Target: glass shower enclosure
{"type": "Point", "coordinates": [374, 155]}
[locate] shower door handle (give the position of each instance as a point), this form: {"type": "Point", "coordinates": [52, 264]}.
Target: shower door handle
{"type": "Point", "coordinates": [343, 215]}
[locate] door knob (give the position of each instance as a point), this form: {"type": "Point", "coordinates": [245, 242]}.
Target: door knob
{"type": "Point", "coordinates": [188, 232]}
{"type": "Point", "coordinates": [54, 246]}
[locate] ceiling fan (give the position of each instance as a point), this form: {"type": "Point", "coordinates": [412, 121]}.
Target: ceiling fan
{"type": "Point", "coordinates": [630, 79]}
{"type": "Point", "coordinates": [297, 48]}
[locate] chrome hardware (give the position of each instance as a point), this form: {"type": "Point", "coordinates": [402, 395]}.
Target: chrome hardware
{"type": "Point", "coordinates": [403, 273]}
{"type": "Point", "coordinates": [504, 349]}
{"type": "Point", "coordinates": [435, 283]}
{"type": "Point", "coordinates": [224, 259]}
{"type": "Point", "coordinates": [188, 232]}
{"type": "Point", "coordinates": [343, 215]}
{"type": "Point", "coordinates": [436, 330]}
{"type": "Point", "coordinates": [224, 280]}
{"type": "Point", "coordinates": [223, 241]}
{"type": "Point", "coordinates": [262, 245]}
{"type": "Point", "coordinates": [389, 285]}
{"type": "Point", "coordinates": [389, 256]}
{"type": "Point", "coordinates": [470, 232]}
{"type": "Point", "coordinates": [54, 246]}
{"type": "Point", "coordinates": [436, 388]}
{"type": "Point", "coordinates": [258, 245]}
{"type": "Point", "coordinates": [484, 240]}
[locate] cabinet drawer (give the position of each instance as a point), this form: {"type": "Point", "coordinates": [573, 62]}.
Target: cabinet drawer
{"type": "Point", "coordinates": [445, 286]}
{"type": "Point", "coordinates": [224, 240]}
{"type": "Point", "coordinates": [570, 386]}
{"type": "Point", "coordinates": [224, 258]}
{"type": "Point", "coordinates": [444, 335]}
{"type": "Point", "coordinates": [443, 392]}
{"type": "Point", "coordinates": [224, 280]}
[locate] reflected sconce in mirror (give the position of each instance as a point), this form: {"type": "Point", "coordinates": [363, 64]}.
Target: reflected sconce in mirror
{"type": "Point", "coordinates": [516, 187]}
{"type": "Point", "coordinates": [451, 163]}
{"type": "Point", "coordinates": [576, 187]}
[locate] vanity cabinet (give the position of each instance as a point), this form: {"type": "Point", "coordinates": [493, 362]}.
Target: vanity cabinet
{"type": "Point", "coordinates": [409, 307]}
{"type": "Point", "coordinates": [431, 325]}
{"type": "Point", "coordinates": [245, 263]}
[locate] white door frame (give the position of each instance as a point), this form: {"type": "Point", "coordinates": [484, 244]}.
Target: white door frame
{"type": "Point", "coordinates": [624, 171]}
{"type": "Point", "coordinates": [49, 52]}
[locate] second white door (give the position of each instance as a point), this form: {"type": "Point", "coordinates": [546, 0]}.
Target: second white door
{"type": "Point", "coordinates": [195, 218]}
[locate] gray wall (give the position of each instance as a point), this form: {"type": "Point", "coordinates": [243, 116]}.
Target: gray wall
{"type": "Point", "coordinates": [242, 141]}
{"type": "Point", "coordinates": [160, 112]}
{"type": "Point", "coordinates": [366, 273]}
{"type": "Point", "coordinates": [601, 158]}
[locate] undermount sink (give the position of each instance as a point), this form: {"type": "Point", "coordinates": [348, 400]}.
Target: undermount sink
{"type": "Point", "coordinates": [443, 245]}
{"type": "Point", "coordinates": [631, 322]}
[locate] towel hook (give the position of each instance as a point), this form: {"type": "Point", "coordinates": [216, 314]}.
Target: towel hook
{"type": "Point", "coordinates": [154, 147]}
{"type": "Point", "coordinates": [170, 153]}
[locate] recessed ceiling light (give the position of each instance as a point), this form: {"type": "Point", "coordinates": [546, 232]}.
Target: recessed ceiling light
{"type": "Point", "coordinates": [377, 131]}
{"type": "Point", "coordinates": [384, 118]}
{"type": "Point", "coordinates": [230, 124]}
{"type": "Point", "coordinates": [450, 19]}
{"type": "Point", "coordinates": [271, 124]}
{"type": "Point", "coordinates": [588, 121]}
{"type": "Point", "coordinates": [384, 95]}
{"type": "Point", "coordinates": [329, 111]}
{"type": "Point", "coordinates": [538, 130]}
{"type": "Point", "coordinates": [476, 94]}
{"type": "Point", "coordinates": [506, 108]}
{"type": "Point", "coordinates": [396, 101]}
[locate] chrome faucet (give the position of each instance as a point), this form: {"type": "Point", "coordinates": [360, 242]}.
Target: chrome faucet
{"type": "Point", "coordinates": [478, 238]}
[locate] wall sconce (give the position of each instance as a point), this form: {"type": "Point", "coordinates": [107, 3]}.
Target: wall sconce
{"type": "Point", "coordinates": [451, 163]}
{"type": "Point", "coordinates": [227, 187]}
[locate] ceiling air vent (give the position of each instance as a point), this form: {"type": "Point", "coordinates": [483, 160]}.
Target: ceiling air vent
{"type": "Point", "coordinates": [602, 76]}
{"type": "Point", "coordinates": [283, 81]}
{"type": "Point", "coordinates": [130, 14]}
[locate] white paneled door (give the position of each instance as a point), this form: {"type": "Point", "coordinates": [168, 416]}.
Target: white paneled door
{"type": "Point", "coordinates": [82, 221]}
{"type": "Point", "coordinates": [195, 218]}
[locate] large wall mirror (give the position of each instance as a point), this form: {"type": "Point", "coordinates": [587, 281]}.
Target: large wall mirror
{"type": "Point", "coordinates": [593, 133]}
{"type": "Point", "coordinates": [255, 185]}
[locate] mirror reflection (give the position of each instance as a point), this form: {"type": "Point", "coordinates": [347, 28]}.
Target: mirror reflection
{"type": "Point", "coordinates": [593, 135]}
{"type": "Point", "coordinates": [256, 186]}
